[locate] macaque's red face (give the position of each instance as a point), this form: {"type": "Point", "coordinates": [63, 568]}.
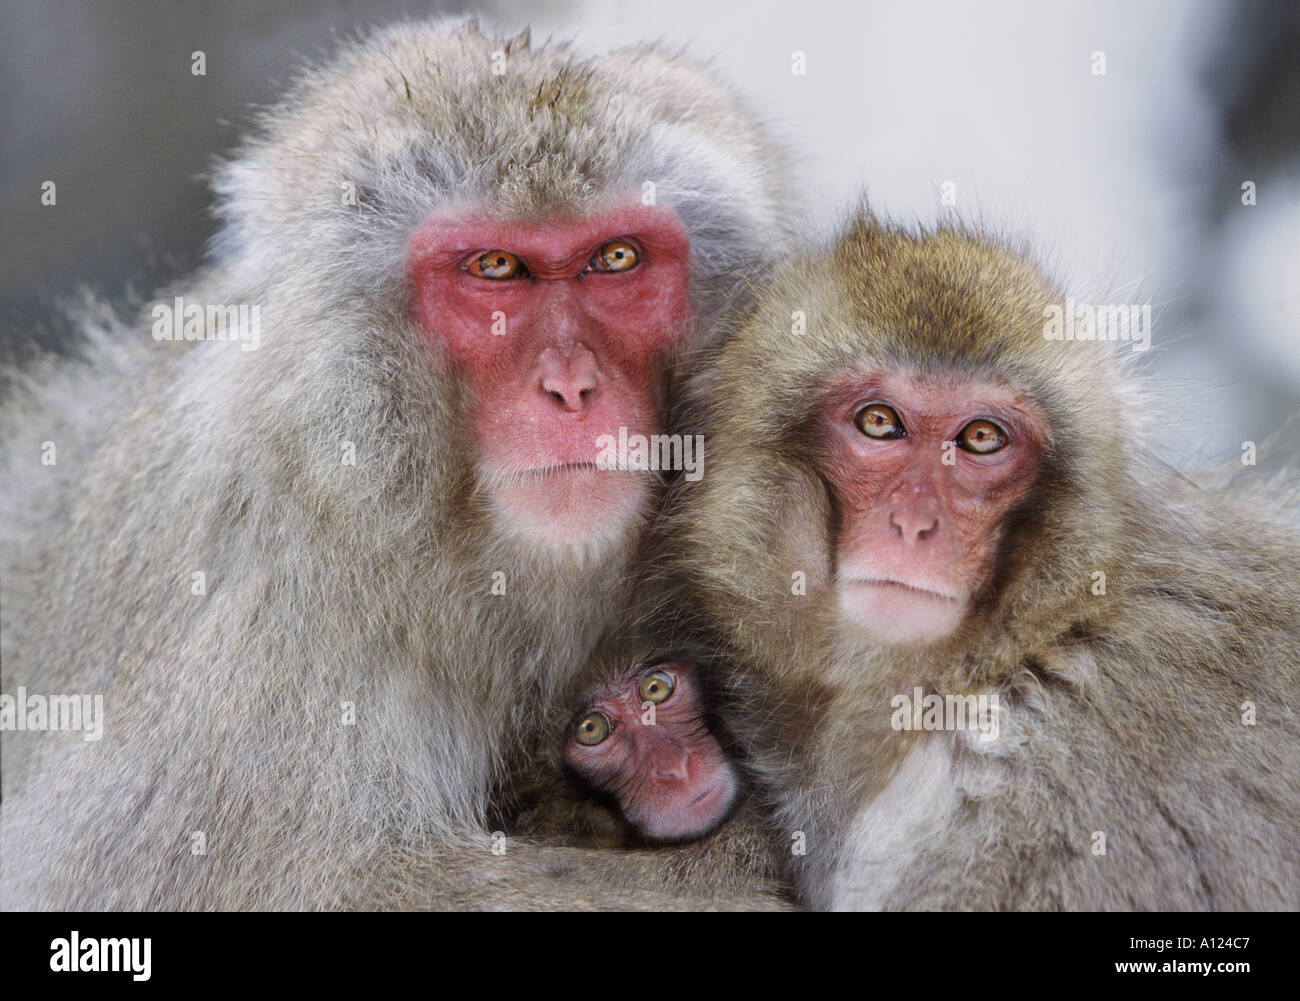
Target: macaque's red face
{"type": "Point", "coordinates": [563, 330]}
{"type": "Point", "coordinates": [646, 743]}
{"type": "Point", "coordinates": [924, 470]}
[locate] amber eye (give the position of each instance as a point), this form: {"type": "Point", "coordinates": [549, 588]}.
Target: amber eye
{"type": "Point", "coordinates": [656, 687]}
{"type": "Point", "coordinates": [497, 265]}
{"type": "Point", "coordinates": [591, 729]}
{"type": "Point", "coordinates": [617, 255]}
{"type": "Point", "coordinates": [879, 421]}
{"type": "Point", "coordinates": [981, 437]}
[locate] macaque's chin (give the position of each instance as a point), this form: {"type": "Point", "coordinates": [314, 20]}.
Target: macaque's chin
{"type": "Point", "coordinates": [901, 615]}
{"type": "Point", "coordinates": [570, 505]}
{"type": "Point", "coordinates": [692, 814]}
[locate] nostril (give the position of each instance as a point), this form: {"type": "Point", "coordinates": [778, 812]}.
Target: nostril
{"type": "Point", "coordinates": [911, 533]}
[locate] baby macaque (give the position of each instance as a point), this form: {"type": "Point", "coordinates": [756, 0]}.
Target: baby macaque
{"type": "Point", "coordinates": [643, 738]}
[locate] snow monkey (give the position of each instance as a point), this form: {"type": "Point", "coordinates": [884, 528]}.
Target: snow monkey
{"type": "Point", "coordinates": [332, 521]}
{"type": "Point", "coordinates": [643, 738]}
{"type": "Point", "coordinates": [639, 727]}
{"type": "Point", "coordinates": [994, 654]}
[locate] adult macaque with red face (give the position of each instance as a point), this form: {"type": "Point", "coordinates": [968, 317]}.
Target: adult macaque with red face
{"type": "Point", "coordinates": [986, 654]}
{"type": "Point", "coordinates": [330, 566]}
{"type": "Point", "coordinates": [564, 331]}
{"type": "Point", "coordinates": [643, 738]}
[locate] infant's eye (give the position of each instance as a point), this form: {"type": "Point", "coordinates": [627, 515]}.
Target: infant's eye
{"type": "Point", "coordinates": [656, 687]}
{"type": "Point", "coordinates": [591, 729]}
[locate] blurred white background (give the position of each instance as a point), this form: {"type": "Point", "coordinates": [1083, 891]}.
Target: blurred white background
{"type": "Point", "coordinates": [1128, 182]}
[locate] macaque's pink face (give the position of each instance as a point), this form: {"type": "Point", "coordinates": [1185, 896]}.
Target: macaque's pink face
{"type": "Point", "coordinates": [646, 744]}
{"type": "Point", "coordinates": [563, 330]}
{"type": "Point", "coordinates": [924, 470]}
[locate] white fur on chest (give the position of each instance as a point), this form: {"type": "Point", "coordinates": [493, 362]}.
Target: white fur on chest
{"type": "Point", "coordinates": [890, 832]}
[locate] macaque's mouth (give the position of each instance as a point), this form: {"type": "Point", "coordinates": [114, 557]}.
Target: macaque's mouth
{"type": "Point", "coordinates": [711, 795]}
{"type": "Point", "coordinates": [568, 503]}
{"type": "Point", "coordinates": [558, 469]}
{"type": "Point", "coordinates": [555, 470]}
{"type": "Point", "coordinates": [899, 585]}
{"type": "Point", "coordinates": [899, 613]}
{"type": "Point", "coordinates": [701, 815]}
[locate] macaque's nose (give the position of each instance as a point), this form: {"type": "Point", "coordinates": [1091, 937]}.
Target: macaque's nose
{"type": "Point", "coordinates": [914, 507]}
{"type": "Point", "coordinates": [570, 376]}
{"type": "Point", "coordinates": [912, 524]}
{"type": "Point", "coordinates": [672, 764]}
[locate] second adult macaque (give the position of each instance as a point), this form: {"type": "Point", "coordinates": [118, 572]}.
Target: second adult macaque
{"type": "Point", "coordinates": [998, 657]}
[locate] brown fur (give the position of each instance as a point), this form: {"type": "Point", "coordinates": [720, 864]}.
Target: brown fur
{"type": "Point", "coordinates": [1122, 711]}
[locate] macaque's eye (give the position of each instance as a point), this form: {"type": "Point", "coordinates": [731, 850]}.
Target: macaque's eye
{"type": "Point", "coordinates": [497, 265]}
{"type": "Point", "coordinates": [591, 729]}
{"type": "Point", "coordinates": [617, 255]}
{"type": "Point", "coordinates": [876, 420]}
{"type": "Point", "coordinates": [981, 437]}
{"type": "Point", "coordinates": [656, 687]}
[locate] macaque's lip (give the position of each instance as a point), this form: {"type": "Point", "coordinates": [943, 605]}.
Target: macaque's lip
{"type": "Point", "coordinates": [574, 468]}
{"type": "Point", "coordinates": [701, 815]}
{"type": "Point", "coordinates": [556, 469]}
{"type": "Point", "coordinates": [567, 503]}
{"type": "Point", "coordinates": [709, 794]}
{"type": "Point", "coordinates": [891, 583]}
